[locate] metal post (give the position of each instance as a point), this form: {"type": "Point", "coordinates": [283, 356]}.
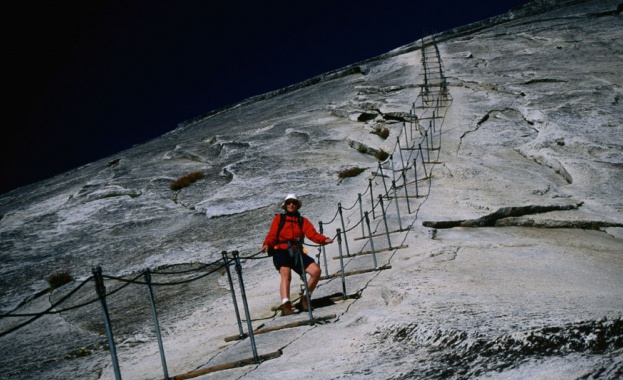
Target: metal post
{"type": "Point", "coordinates": [154, 313]}
{"type": "Point", "coordinates": [383, 178]}
{"type": "Point", "coordinates": [299, 252]}
{"type": "Point", "coordinates": [424, 67]}
{"type": "Point", "coordinates": [324, 251]}
{"type": "Point", "coordinates": [439, 139]}
{"type": "Point", "coordinates": [101, 292]}
{"type": "Point", "coordinates": [339, 209]}
{"type": "Point", "coordinates": [423, 164]}
{"type": "Point", "coordinates": [411, 117]}
{"type": "Point", "coordinates": [246, 306]}
{"type": "Point", "coordinates": [397, 206]}
{"type": "Point", "coordinates": [371, 198]}
{"type": "Point", "coordinates": [404, 181]}
{"type": "Point", "coordinates": [416, 178]}
{"type": "Point", "coordinates": [363, 233]}
{"type": "Point", "coordinates": [427, 146]}
{"type": "Point", "coordinates": [233, 294]}
{"type": "Point", "coordinates": [385, 221]}
{"type": "Point", "coordinates": [391, 157]}
{"type": "Point", "coordinates": [402, 161]}
{"type": "Point", "coordinates": [410, 132]}
{"type": "Point", "coordinates": [376, 267]}
{"type": "Point", "coordinates": [339, 242]}
{"type": "Point", "coordinates": [439, 59]}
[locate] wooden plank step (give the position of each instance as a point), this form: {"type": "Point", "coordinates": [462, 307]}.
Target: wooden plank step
{"type": "Point", "coordinates": [381, 234]}
{"type": "Point", "coordinates": [352, 273]}
{"type": "Point", "coordinates": [304, 322]}
{"type": "Point", "coordinates": [264, 330]}
{"type": "Point", "coordinates": [221, 367]}
{"type": "Point", "coordinates": [419, 180]}
{"type": "Point", "coordinates": [402, 170]}
{"type": "Point", "coordinates": [370, 252]}
{"type": "Point", "coordinates": [418, 149]}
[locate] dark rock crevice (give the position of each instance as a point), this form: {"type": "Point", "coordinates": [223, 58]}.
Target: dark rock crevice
{"type": "Point", "coordinates": [478, 124]}
{"type": "Point", "coordinates": [491, 220]}
{"type": "Point", "coordinates": [550, 163]}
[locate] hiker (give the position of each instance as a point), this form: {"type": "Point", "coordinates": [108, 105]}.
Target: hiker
{"type": "Point", "coordinates": [281, 243]}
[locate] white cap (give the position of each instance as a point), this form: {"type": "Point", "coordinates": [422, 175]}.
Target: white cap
{"type": "Point", "coordinates": [292, 197]}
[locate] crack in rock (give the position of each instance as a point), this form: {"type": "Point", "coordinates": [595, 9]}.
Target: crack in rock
{"type": "Point", "coordinates": [504, 212]}
{"type": "Point", "coordinates": [478, 124]}
{"type": "Point", "coordinates": [550, 162]}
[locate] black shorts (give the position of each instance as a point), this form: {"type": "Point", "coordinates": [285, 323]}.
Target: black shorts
{"type": "Point", "coordinates": [281, 258]}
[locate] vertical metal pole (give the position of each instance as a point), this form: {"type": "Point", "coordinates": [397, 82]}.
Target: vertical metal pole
{"type": "Point", "coordinates": [324, 251]}
{"type": "Point", "coordinates": [383, 178]}
{"type": "Point", "coordinates": [402, 161]}
{"type": "Point", "coordinates": [233, 294]}
{"type": "Point", "coordinates": [385, 221]}
{"type": "Point", "coordinates": [339, 209]}
{"type": "Point", "coordinates": [299, 252]}
{"type": "Point", "coordinates": [397, 206]}
{"type": "Point", "coordinates": [404, 181]}
{"type": "Point", "coordinates": [423, 164]}
{"type": "Point", "coordinates": [101, 292]}
{"type": "Point", "coordinates": [424, 67]}
{"type": "Point", "coordinates": [416, 178]}
{"type": "Point", "coordinates": [391, 157]}
{"type": "Point", "coordinates": [407, 133]}
{"type": "Point", "coordinates": [427, 146]}
{"type": "Point", "coordinates": [411, 117]}
{"type": "Point", "coordinates": [154, 313]}
{"type": "Point", "coordinates": [246, 305]}
{"type": "Point", "coordinates": [426, 84]}
{"type": "Point", "coordinates": [376, 267]}
{"type": "Point", "coordinates": [339, 242]}
{"type": "Point", "coordinates": [360, 215]}
{"type": "Point", "coordinates": [439, 139]}
{"type": "Point", "coordinates": [371, 198]}
{"type": "Point", "coordinates": [439, 60]}
{"type": "Point", "coordinates": [438, 105]}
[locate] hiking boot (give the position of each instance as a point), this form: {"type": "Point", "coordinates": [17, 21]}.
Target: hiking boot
{"type": "Point", "coordinates": [304, 304]}
{"type": "Point", "coordinates": [286, 309]}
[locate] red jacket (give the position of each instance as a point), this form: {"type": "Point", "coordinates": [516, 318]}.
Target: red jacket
{"type": "Point", "coordinates": [291, 231]}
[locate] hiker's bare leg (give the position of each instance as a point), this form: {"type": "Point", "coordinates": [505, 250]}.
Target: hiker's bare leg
{"type": "Point", "coordinates": [314, 272]}
{"type": "Point", "coordinates": [286, 278]}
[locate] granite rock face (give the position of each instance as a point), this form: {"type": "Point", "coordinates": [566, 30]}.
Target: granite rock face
{"type": "Point", "coordinates": [508, 264]}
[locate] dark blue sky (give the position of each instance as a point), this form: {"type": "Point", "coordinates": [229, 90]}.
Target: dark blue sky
{"type": "Point", "coordinates": [82, 80]}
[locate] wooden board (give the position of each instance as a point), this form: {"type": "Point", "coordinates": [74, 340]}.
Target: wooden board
{"type": "Point", "coordinates": [235, 364]}
{"type": "Point", "coordinates": [265, 330]}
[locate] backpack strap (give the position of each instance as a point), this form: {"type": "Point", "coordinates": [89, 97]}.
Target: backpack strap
{"type": "Point", "coordinates": [282, 222]}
